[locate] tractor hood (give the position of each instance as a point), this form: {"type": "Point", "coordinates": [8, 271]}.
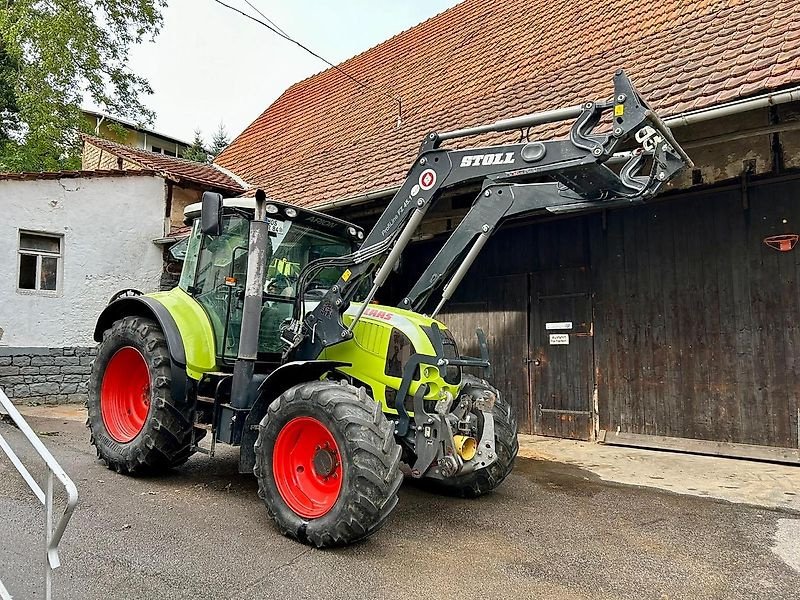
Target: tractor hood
{"type": "Point", "coordinates": [407, 321]}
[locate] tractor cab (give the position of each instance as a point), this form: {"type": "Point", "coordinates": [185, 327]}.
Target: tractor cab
{"type": "Point", "coordinates": [215, 267]}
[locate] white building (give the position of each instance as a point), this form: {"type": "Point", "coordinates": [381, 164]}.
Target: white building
{"type": "Point", "coordinates": [69, 241]}
{"type": "Point", "coordinates": [131, 134]}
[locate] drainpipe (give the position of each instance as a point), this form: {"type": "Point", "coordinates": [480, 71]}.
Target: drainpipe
{"type": "Point", "coordinates": [683, 120]}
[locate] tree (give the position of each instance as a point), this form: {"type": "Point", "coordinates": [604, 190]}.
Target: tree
{"type": "Point", "coordinates": [196, 151]}
{"type": "Point", "coordinates": [219, 142]}
{"type": "Point", "coordinates": [53, 55]}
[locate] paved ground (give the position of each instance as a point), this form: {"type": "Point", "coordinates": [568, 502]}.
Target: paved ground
{"type": "Point", "coordinates": [551, 531]}
{"type": "Point", "coordinates": [744, 481]}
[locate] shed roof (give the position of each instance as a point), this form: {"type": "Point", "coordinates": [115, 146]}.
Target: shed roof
{"type": "Point", "coordinates": [325, 138]}
{"type": "Point", "coordinates": [176, 168]}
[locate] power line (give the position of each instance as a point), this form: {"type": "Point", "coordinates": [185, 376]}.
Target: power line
{"type": "Point", "coordinates": [269, 24]}
{"type": "Point", "coordinates": [266, 18]}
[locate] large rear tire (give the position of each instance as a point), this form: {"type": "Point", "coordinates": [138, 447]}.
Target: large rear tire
{"type": "Point", "coordinates": [327, 464]}
{"type": "Point", "coordinates": [485, 480]}
{"type": "Point", "coordinates": [136, 425]}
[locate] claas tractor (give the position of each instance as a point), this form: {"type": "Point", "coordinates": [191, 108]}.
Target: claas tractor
{"type": "Point", "coordinates": [272, 341]}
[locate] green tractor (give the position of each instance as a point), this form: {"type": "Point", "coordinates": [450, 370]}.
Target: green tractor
{"type": "Point", "coordinates": [271, 342]}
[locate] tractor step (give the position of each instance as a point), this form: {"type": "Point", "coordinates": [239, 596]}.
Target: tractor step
{"type": "Point", "coordinates": [202, 450]}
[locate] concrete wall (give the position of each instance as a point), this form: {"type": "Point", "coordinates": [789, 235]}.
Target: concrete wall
{"type": "Point", "coordinates": [108, 226]}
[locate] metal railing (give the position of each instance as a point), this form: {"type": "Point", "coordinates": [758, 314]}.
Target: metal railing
{"type": "Point", "coordinates": [52, 536]}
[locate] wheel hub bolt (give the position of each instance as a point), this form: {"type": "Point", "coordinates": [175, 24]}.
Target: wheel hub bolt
{"type": "Point", "coordinates": [325, 462]}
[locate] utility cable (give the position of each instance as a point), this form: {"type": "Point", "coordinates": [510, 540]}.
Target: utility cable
{"type": "Point", "coordinates": [269, 24]}
{"type": "Point", "coordinates": [265, 17]}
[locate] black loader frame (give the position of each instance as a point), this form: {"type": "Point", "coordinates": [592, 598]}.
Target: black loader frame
{"type": "Point", "coordinates": [577, 176]}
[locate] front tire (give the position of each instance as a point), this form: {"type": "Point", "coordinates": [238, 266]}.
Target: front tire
{"type": "Point", "coordinates": [327, 464]}
{"type": "Point", "coordinates": [136, 425]}
{"type": "Point", "coordinates": [485, 480]}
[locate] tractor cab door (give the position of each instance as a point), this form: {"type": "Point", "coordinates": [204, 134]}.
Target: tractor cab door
{"type": "Point", "coordinates": [219, 280]}
{"type": "Point", "coordinates": [215, 273]}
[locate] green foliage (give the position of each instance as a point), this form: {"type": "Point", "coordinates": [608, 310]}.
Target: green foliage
{"type": "Point", "coordinates": [219, 142]}
{"type": "Point", "coordinates": [196, 151]}
{"type": "Point", "coordinates": [55, 53]}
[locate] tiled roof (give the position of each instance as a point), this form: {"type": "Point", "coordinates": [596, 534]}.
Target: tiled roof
{"type": "Point", "coordinates": [180, 232]}
{"type": "Point", "coordinates": [325, 138]}
{"type": "Point", "coordinates": [176, 168]}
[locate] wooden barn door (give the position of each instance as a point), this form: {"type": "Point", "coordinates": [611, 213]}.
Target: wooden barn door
{"type": "Point", "coordinates": [561, 352]}
{"type": "Point", "coordinates": [499, 306]}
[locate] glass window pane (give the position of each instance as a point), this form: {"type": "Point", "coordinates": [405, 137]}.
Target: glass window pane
{"type": "Point", "coordinates": [43, 243]}
{"type": "Point", "coordinates": [49, 274]}
{"type": "Point", "coordinates": [178, 250]}
{"type": "Point", "coordinates": [219, 285]}
{"type": "Point", "coordinates": [190, 260]}
{"type": "Point", "coordinates": [27, 272]}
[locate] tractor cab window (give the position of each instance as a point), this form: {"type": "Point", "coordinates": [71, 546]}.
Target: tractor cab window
{"type": "Point", "coordinates": [220, 268]}
{"type": "Point", "coordinates": [294, 245]}
{"type": "Point", "coordinates": [215, 273]}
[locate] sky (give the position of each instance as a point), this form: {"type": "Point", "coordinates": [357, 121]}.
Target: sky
{"type": "Point", "coordinates": [210, 65]}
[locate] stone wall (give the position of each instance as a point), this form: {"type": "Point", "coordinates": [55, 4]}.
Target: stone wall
{"type": "Point", "coordinates": [46, 375]}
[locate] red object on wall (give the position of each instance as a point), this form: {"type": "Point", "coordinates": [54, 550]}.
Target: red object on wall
{"type": "Point", "coordinates": [782, 243]}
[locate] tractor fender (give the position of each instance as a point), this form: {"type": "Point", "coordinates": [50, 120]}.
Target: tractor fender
{"type": "Point", "coordinates": [142, 306]}
{"type": "Point", "coordinates": [277, 382]}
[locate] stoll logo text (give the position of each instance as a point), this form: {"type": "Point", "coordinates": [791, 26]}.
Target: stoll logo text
{"type": "Point", "coordinates": [484, 160]}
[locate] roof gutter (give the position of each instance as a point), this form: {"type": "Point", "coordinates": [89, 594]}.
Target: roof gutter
{"type": "Point", "coordinates": [693, 117]}
{"type": "Point", "coordinates": [734, 108]}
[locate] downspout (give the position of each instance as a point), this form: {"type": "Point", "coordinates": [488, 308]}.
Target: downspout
{"type": "Point", "coordinates": [683, 120]}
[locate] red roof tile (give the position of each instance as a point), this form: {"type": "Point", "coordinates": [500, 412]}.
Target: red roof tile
{"type": "Point", "coordinates": [177, 168]}
{"type": "Point", "coordinates": [326, 139]}
{"type": "Point", "coordinates": [180, 232]}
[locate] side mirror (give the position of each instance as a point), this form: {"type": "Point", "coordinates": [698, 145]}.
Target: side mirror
{"type": "Point", "coordinates": [211, 214]}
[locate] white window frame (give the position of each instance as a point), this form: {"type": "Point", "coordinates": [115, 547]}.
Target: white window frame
{"type": "Point", "coordinates": [39, 254]}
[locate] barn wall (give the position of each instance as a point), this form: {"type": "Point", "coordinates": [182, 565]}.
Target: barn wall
{"type": "Point", "coordinates": [696, 318]}
{"type": "Point", "coordinates": [683, 320]}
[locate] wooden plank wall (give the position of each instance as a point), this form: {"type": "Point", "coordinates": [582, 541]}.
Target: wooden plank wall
{"type": "Point", "coordinates": [506, 330]}
{"type": "Point", "coordinates": [696, 320]}
{"type": "Point", "coordinates": [495, 296]}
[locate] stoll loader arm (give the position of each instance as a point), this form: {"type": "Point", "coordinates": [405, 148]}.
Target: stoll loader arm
{"type": "Point", "coordinates": [578, 176]}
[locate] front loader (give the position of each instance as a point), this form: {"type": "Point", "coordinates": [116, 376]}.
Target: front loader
{"type": "Point", "coordinates": [272, 342]}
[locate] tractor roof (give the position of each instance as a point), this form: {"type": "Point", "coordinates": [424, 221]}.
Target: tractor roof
{"type": "Point", "coordinates": [283, 212]}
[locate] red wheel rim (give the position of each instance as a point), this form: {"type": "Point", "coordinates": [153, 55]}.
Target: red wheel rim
{"type": "Point", "coordinates": [125, 394]}
{"type": "Point", "coordinates": [307, 467]}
